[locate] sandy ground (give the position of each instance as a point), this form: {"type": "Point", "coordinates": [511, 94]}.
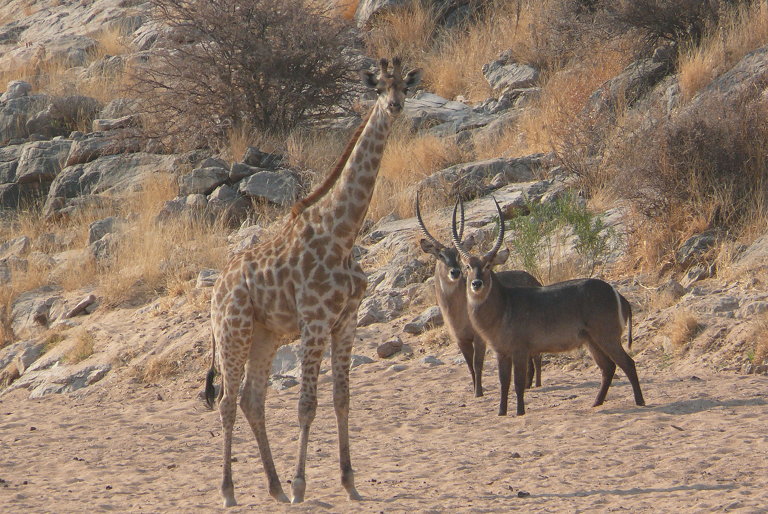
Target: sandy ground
{"type": "Point", "coordinates": [420, 443]}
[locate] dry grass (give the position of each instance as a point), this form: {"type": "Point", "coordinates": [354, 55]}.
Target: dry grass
{"type": "Point", "coordinates": [159, 367]}
{"type": "Point", "coordinates": [409, 158]}
{"type": "Point", "coordinates": [406, 32]}
{"type": "Point", "coordinates": [742, 30]}
{"type": "Point", "coordinates": [682, 329]}
{"type": "Point", "coordinates": [82, 347]}
{"type": "Point", "coordinates": [347, 8]}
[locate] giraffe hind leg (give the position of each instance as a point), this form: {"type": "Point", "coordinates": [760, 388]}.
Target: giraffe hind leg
{"type": "Point", "coordinates": [252, 403]}
{"type": "Point", "coordinates": [232, 375]}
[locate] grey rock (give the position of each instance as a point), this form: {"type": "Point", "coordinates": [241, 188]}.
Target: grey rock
{"type": "Point", "coordinates": [202, 181]}
{"type": "Point", "coordinates": [12, 352]}
{"type": "Point", "coordinates": [9, 160]}
{"type": "Point", "coordinates": [81, 307]}
{"type": "Point", "coordinates": [196, 202]}
{"type": "Point", "coordinates": [431, 360]}
{"type": "Point", "coordinates": [117, 109]}
{"type": "Point", "coordinates": [14, 115]}
{"type": "Point", "coordinates": [213, 162]}
{"type": "Point", "coordinates": [103, 125]}
{"type": "Point", "coordinates": [41, 161]}
{"type": "Point", "coordinates": [16, 247]}
{"type": "Point", "coordinates": [696, 246]}
{"type": "Point", "coordinates": [278, 187]}
{"type": "Point", "coordinates": [399, 274]}
{"type": "Point", "coordinates": [380, 307]}
{"type": "Point", "coordinates": [102, 227]}
{"type": "Point", "coordinates": [240, 170]}
{"type": "Point", "coordinates": [359, 360]}
{"type": "Point", "coordinates": [427, 320]}
{"type": "Point", "coordinates": [16, 89]}
{"type": "Point", "coordinates": [753, 309]}
{"type": "Point", "coordinates": [62, 114]}
{"type": "Point", "coordinates": [389, 348]}
{"type": "Point", "coordinates": [283, 382]}
{"type": "Point", "coordinates": [672, 288]}
{"type": "Point", "coordinates": [32, 308]}
{"type": "Point", "coordinates": [629, 86]}
{"type": "Point", "coordinates": [504, 73]}
{"type": "Point", "coordinates": [207, 277]}
{"type": "Point", "coordinates": [258, 159]}
{"type": "Point", "coordinates": [65, 380]}
{"type": "Point", "coordinates": [99, 144]}
{"type": "Point", "coordinates": [103, 249]}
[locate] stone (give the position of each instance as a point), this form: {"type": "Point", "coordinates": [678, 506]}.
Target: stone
{"type": "Point", "coordinates": [240, 170]}
{"type": "Point", "coordinates": [81, 307]}
{"type": "Point", "coordinates": [103, 125]}
{"type": "Point", "coordinates": [16, 89]}
{"type": "Point", "coordinates": [504, 73]}
{"type": "Point", "coordinates": [65, 380]}
{"type": "Point", "coordinates": [628, 87]}
{"type": "Point", "coordinates": [258, 159]}
{"type": "Point", "coordinates": [468, 179]}
{"type": "Point", "coordinates": [16, 247]}
{"type": "Point", "coordinates": [202, 181]}
{"type": "Point", "coordinates": [427, 320]}
{"type": "Point", "coordinates": [431, 360]}
{"type": "Point", "coordinates": [102, 227]}
{"type": "Point", "coordinates": [359, 360]}
{"type": "Point", "coordinates": [207, 277]}
{"type": "Point", "coordinates": [380, 307]}
{"type": "Point", "coordinates": [98, 144]}
{"type": "Point", "coordinates": [41, 161]}
{"type": "Point", "coordinates": [389, 348]}
{"type": "Point", "coordinates": [696, 246]}
{"type": "Point", "coordinates": [278, 187]}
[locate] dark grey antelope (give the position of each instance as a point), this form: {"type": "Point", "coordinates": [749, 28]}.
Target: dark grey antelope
{"type": "Point", "coordinates": [450, 290]}
{"type": "Point", "coordinates": [520, 321]}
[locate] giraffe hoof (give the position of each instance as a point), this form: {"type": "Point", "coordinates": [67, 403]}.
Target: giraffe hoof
{"type": "Point", "coordinates": [297, 489]}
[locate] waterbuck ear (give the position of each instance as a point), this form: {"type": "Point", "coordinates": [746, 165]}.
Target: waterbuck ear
{"type": "Point", "coordinates": [412, 78]}
{"type": "Point", "coordinates": [369, 79]}
{"type": "Point", "coordinates": [501, 257]}
{"type": "Point", "coordinates": [429, 247]}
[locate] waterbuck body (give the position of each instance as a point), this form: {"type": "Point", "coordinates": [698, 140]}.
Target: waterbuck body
{"type": "Point", "coordinates": [450, 291]}
{"type": "Point", "coordinates": [520, 321]}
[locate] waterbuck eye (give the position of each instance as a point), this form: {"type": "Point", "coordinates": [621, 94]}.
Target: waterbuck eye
{"type": "Point", "coordinates": [379, 90]}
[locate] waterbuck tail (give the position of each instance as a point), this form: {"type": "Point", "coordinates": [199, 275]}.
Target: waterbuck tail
{"type": "Point", "coordinates": [626, 311]}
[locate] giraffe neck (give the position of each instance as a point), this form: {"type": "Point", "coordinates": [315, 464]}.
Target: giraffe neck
{"type": "Point", "coordinates": [343, 211]}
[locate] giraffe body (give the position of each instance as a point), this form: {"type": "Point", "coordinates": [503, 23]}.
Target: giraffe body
{"type": "Point", "coordinates": [303, 282]}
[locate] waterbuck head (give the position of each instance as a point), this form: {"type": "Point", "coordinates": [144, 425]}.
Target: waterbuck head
{"type": "Point", "coordinates": [448, 266]}
{"type": "Point", "coordinates": [391, 87]}
{"type": "Point", "coordinates": [478, 269]}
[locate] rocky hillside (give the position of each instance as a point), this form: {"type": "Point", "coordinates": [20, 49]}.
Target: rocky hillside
{"type": "Point", "coordinates": [73, 161]}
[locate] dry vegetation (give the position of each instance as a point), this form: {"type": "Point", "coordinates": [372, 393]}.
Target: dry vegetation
{"type": "Point", "coordinates": [681, 329]}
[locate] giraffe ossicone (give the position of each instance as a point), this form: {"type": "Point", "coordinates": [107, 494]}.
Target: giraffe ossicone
{"type": "Point", "coordinates": [303, 282]}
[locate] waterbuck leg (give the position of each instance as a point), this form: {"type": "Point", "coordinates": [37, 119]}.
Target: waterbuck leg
{"type": "Point", "coordinates": [624, 361]}
{"type": "Point", "coordinates": [505, 377]}
{"type": "Point", "coordinates": [607, 367]}
{"type": "Point", "coordinates": [479, 358]}
{"type": "Point", "coordinates": [521, 377]}
{"type": "Point", "coordinates": [468, 351]}
{"type": "Point", "coordinates": [537, 365]}
{"type": "Point", "coordinates": [531, 373]}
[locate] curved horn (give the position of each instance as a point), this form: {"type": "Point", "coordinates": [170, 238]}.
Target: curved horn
{"type": "Point", "coordinates": [461, 225]}
{"type": "Point", "coordinates": [490, 255]}
{"type": "Point", "coordinates": [423, 228]}
{"type": "Point", "coordinates": [455, 237]}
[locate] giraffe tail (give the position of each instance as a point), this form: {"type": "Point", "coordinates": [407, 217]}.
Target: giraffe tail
{"type": "Point", "coordinates": [210, 390]}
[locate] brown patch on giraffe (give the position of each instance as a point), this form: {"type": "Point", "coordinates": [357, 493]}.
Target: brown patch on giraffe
{"type": "Point", "coordinates": [335, 302]}
{"type": "Point", "coordinates": [320, 274]}
{"type": "Point", "coordinates": [309, 300]}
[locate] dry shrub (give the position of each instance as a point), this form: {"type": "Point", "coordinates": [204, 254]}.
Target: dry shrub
{"type": "Point", "coordinates": [153, 256]}
{"type": "Point", "coordinates": [740, 31]}
{"type": "Point", "coordinates": [159, 367]}
{"type": "Point", "coordinates": [82, 347]}
{"type": "Point", "coordinates": [235, 63]}
{"type": "Point", "coordinates": [347, 8]}
{"type": "Point", "coordinates": [682, 329]}
{"type": "Point", "coordinates": [407, 32]}
{"type": "Point", "coordinates": [409, 158]}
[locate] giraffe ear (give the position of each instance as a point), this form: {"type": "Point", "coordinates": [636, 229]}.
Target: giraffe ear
{"type": "Point", "coordinates": [413, 78]}
{"type": "Point", "coordinates": [369, 79]}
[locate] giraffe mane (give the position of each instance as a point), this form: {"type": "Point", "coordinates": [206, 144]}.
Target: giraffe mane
{"type": "Point", "coordinates": [312, 198]}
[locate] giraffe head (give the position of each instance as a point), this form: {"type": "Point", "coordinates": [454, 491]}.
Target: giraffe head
{"type": "Point", "coordinates": [391, 87]}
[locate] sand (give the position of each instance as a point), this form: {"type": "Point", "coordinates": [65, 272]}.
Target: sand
{"type": "Point", "coordinates": [420, 443]}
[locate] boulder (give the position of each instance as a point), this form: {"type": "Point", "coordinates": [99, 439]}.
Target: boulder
{"type": "Point", "coordinates": [696, 246]}
{"type": "Point", "coordinates": [258, 159]}
{"type": "Point", "coordinates": [62, 114]}
{"type": "Point", "coordinates": [102, 227]}
{"type": "Point", "coordinates": [207, 277]}
{"type": "Point", "coordinates": [98, 144]}
{"type": "Point", "coordinates": [9, 160]}
{"type": "Point", "coordinates": [41, 161]}
{"type": "Point", "coordinates": [103, 125]}
{"type": "Point", "coordinates": [278, 187]}
{"type": "Point", "coordinates": [202, 180]}
{"type": "Point", "coordinates": [427, 320]}
{"type": "Point", "coordinates": [505, 73]}
{"type": "Point", "coordinates": [16, 247]}
{"type": "Point", "coordinates": [14, 115]}
{"type": "Point", "coordinates": [629, 86]}
{"type": "Point", "coordinates": [63, 379]}
{"type": "Point", "coordinates": [380, 307]}
{"type": "Point", "coordinates": [389, 348]}
{"type": "Point", "coordinates": [82, 307]}
{"type": "Point", "coordinates": [16, 89]}
{"type": "Point", "coordinates": [32, 308]}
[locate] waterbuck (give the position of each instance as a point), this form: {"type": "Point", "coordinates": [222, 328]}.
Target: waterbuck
{"type": "Point", "coordinates": [450, 290]}
{"type": "Point", "coordinates": [520, 321]}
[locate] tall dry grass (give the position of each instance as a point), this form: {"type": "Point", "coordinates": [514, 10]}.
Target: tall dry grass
{"type": "Point", "coordinates": [740, 31]}
{"type": "Point", "coordinates": [409, 158]}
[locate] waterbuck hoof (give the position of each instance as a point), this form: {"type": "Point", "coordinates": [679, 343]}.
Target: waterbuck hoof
{"type": "Point", "coordinates": [282, 497]}
{"type": "Point", "coordinates": [230, 502]}
{"type": "Point", "coordinates": [354, 495]}
{"type": "Point", "coordinates": [502, 413]}
{"type": "Point", "coordinates": [478, 394]}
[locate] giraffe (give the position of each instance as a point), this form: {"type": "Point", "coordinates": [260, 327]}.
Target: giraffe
{"type": "Point", "coordinates": [302, 282]}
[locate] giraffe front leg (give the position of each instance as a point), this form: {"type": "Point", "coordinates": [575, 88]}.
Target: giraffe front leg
{"type": "Point", "coordinates": [313, 343]}
{"type": "Point", "coordinates": [341, 355]}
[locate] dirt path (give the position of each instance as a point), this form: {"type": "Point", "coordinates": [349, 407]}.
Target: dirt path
{"type": "Point", "coordinates": [420, 443]}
